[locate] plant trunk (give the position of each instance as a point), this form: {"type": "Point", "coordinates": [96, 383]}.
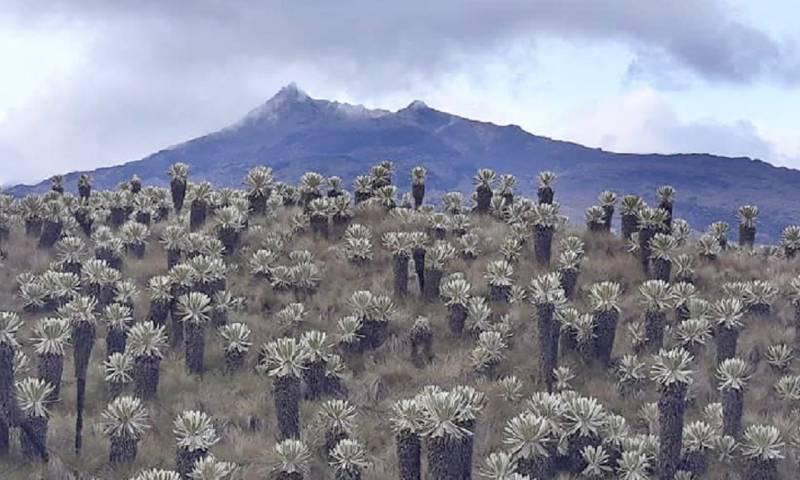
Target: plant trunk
{"type": "Point", "coordinates": [81, 400]}
{"type": "Point", "coordinates": [319, 226]}
{"type": "Point", "coordinates": [759, 309]}
{"type": "Point", "coordinates": [458, 315]}
{"type": "Point", "coordinates": [159, 310]}
{"type": "Point", "coordinates": [234, 359]}
{"type": "Point", "coordinates": [195, 347]}
{"type": "Point", "coordinates": [464, 450]}
{"type": "Point", "coordinates": [654, 322]}
{"type": "Point", "coordinates": [568, 342]}
{"type": "Point", "coordinates": [548, 350]}
{"type": "Point", "coordinates": [51, 232]}
{"type": "Point", "coordinates": [378, 332]}
{"type": "Point", "coordinates": [34, 440]}
{"type": "Point", "coordinates": [178, 190]}
{"type": "Point", "coordinates": [4, 437]}
{"type": "Point", "coordinates": [339, 225]}
{"type": "Point", "coordinates": [117, 217]}
{"type": "Point", "coordinates": [347, 474]}
{"type": "Point", "coordinates": [483, 198]}
{"type": "Point", "coordinates": [422, 348]}
{"type": "Point", "coordinates": [115, 390]}
{"type": "Point", "coordinates": [595, 227]}
{"type": "Point", "coordinates": [419, 267]}
{"type": "Point", "coordinates": [72, 267]}
{"type": "Point", "coordinates": [362, 197]}
{"type": "Point", "coordinates": [797, 327]}
{"type": "Point", "coordinates": [747, 235]}
{"type": "Point", "coordinates": [286, 392]}
{"type": "Point", "coordinates": [645, 235]}
{"type": "Point", "coordinates": [545, 195]}
{"type": "Point", "coordinates": [314, 378]}
{"type": "Point", "coordinates": [433, 278]}
{"type": "Point", "coordinates": [568, 279]}
{"type": "Point", "coordinates": [542, 243]}
{"type": "Point", "coordinates": [695, 462]}
{"type": "Point", "coordinates": [661, 269]}
{"type": "Point", "coordinates": [145, 218]}
{"type": "Point", "coordinates": [686, 277]}
{"type": "Point", "coordinates": [606, 330]}
{"type": "Point", "coordinates": [197, 215]}
{"type": "Point", "coordinates": [671, 405]}
{"type": "Point", "coordinates": [146, 373]}
{"type": "Point", "coordinates": [123, 450]}
{"type": "Point", "coordinates": [418, 191]}
{"type": "Point", "coordinates": [105, 297]}
{"type": "Point", "coordinates": [85, 220]}
{"type": "Point", "coordinates": [83, 335]}
{"type": "Point", "coordinates": [173, 257]}
{"type": "Point", "coordinates": [136, 250]}
{"type": "Point", "coordinates": [668, 207]}
{"type": "Point", "coordinates": [332, 438]}
{"type": "Point", "coordinates": [219, 318]}
{"type": "Point", "coordinates": [281, 475]}
{"type": "Point", "coordinates": [258, 203]}
{"type": "Point", "coordinates": [229, 238]}
{"type": "Point", "coordinates": [51, 369]}
{"type": "Point", "coordinates": [307, 197]}
{"type": "Point", "coordinates": [608, 215]}
{"type": "Point", "coordinates": [541, 468]}
{"type": "Point", "coordinates": [176, 330]}
{"type": "Point", "coordinates": [185, 460]}
{"type": "Point", "coordinates": [162, 212]}
{"type": "Point", "coordinates": [116, 339]}
{"type": "Point", "coordinates": [575, 462]}
{"type": "Point", "coordinates": [726, 343]}
{"type": "Point", "coordinates": [409, 455]}
{"type": "Point", "coordinates": [499, 293]}
{"type": "Point", "coordinates": [682, 312]}
{"type": "Point", "coordinates": [761, 470]}
{"type": "Point", "coordinates": [400, 270]}
{"type": "Point", "coordinates": [630, 225]}
{"type": "Point", "coordinates": [8, 405]}
{"type": "Point", "coordinates": [334, 386]}
{"type": "Point", "coordinates": [442, 458]}
{"type": "Point", "coordinates": [732, 407]}
{"type": "Point", "coordinates": [33, 227]}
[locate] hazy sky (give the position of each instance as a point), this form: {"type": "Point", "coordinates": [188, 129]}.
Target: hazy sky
{"type": "Point", "coordinates": [86, 83]}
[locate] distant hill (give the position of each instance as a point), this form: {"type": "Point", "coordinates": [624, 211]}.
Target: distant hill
{"type": "Point", "coordinates": [294, 133]}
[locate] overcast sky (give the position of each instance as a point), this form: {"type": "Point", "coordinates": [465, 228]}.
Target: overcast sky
{"type": "Point", "coordinates": [90, 83]}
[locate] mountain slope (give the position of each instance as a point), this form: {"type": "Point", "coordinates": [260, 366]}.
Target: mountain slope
{"type": "Point", "coordinates": [294, 133]}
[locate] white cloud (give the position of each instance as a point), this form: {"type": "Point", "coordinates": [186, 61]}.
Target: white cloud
{"type": "Point", "coordinates": [644, 121]}
{"type": "Point", "coordinates": [106, 82]}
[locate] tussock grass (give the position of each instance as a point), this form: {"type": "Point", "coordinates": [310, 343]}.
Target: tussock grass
{"type": "Point", "coordinates": [241, 404]}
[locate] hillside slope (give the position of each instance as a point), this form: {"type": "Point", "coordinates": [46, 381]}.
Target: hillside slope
{"type": "Point", "coordinates": [294, 133]}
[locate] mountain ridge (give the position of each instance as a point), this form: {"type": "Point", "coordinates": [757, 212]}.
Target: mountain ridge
{"type": "Point", "coordinates": [293, 133]}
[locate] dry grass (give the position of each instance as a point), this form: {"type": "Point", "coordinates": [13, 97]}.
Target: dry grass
{"type": "Point", "coordinates": [384, 375]}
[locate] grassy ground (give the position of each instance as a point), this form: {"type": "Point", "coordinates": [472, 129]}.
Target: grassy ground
{"type": "Point", "coordinates": [380, 377]}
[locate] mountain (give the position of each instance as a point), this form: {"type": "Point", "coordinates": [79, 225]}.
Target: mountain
{"type": "Point", "coordinates": [294, 133]}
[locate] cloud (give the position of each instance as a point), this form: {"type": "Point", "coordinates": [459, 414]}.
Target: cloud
{"type": "Point", "coordinates": [151, 73]}
{"type": "Point", "coordinates": [643, 121]}
{"type": "Point", "coordinates": [385, 37]}
{"type": "Point", "coordinates": [13, 165]}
